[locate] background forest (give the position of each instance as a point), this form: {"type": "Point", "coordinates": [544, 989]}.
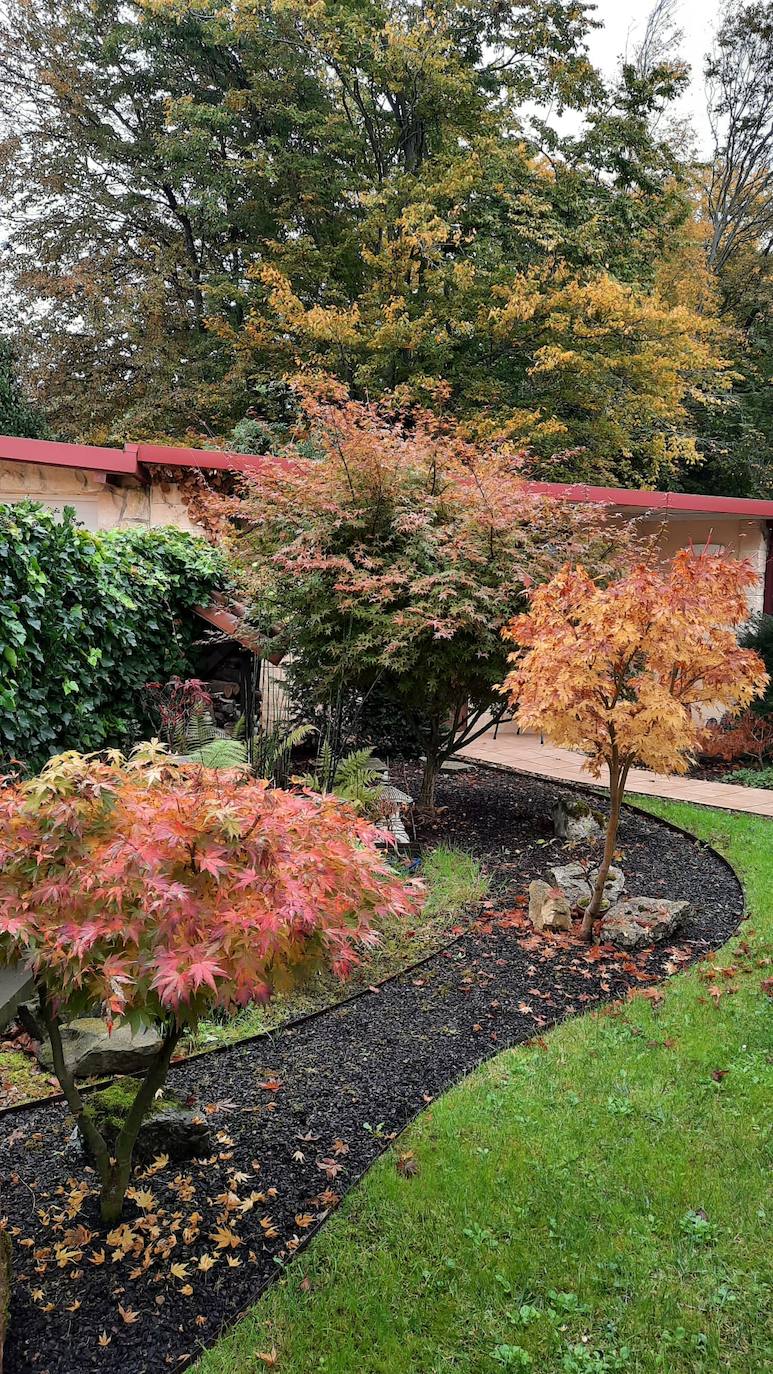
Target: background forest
{"type": "Point", "coordinates": [198, 203]}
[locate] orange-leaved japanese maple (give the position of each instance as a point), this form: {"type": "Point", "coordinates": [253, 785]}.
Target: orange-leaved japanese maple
{"type": "Point", "coordinates": [624, 671]}
{"type": "Point", "coordinates": [156, 892]}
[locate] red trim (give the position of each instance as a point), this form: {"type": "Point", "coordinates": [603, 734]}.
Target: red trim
{"type": "Point", "coordinates": [132, 456]}
{"type": "Point", "coordinates": [656, 500]}
{"type": "Point", "coordinates": [84, 456]}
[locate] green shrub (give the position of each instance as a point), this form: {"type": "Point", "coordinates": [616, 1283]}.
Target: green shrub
{"type": "Point", "coordinates": [85, 621]}
{"type": "Point", "coordinates": [752, 777]}
{"type": "Point", "coordinates": [759, 636]}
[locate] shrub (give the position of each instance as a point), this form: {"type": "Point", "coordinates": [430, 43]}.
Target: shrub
{"type": "Point", "coordinates": [759, 637]}
{"type": "Point", "coordinates": [750, 736]}
{"type": "Point", "coordinates": [163, 892]}
{"type": "Point", "coordinates": [86, 620]}
{"type": "Point", "coordinates": [617, 671]}
{"type": "Point", "coordinates": [752, 777]}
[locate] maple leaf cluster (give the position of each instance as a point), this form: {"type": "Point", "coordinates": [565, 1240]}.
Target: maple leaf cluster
{"type": "Point", "coordinates": [384, 547]}
{"type": "Point", "coordinates": [159, 890]}
{"type": "Point", "coordinates": [628, 666]}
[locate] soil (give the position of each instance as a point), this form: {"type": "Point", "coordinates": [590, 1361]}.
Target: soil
{"type": "Point", "coordinates": [299, 1114]}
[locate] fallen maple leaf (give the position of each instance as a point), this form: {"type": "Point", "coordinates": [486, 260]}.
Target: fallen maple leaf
{"type": "Point", "coordinates": [269, 1357]}
{"type": "Point", "coordinates": [128, 1315]}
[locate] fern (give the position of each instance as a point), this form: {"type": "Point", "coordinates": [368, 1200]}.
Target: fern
{"type": "Point", "coordinates": [354, 779]}
{"type": "Point", "coordinates": [221, 753]}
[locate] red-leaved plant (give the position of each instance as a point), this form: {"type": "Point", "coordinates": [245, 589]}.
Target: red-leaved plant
{"type": "Point", "coordinates": [157, 892]}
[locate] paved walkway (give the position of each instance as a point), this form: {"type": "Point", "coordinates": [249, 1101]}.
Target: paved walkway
{"type": "Point", "coordinates": [525, 754]}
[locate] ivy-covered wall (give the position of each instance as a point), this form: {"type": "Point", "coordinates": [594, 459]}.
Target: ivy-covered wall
{"type": "Point", "coordinates": [85, 621]}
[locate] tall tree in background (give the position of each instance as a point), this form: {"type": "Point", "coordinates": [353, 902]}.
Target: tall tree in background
{"type": "Point", "coordinates": [204, 202]}
{"type": "Point", "coordinates": [738, 214]}
{"type": "Point", "coordinates": [18, 415]}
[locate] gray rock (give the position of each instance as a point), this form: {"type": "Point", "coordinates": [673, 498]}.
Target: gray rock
{"type": "Point", "coordinates": [574, 819]}
{"type": "Point", "coordinates": [15, 985]}
{"type": "Point", "coordinates": [171, 1129]}
{"type": "Point", "coordinates": [174, 1130]}
{"type": "Point", "coordinates": [92, 1051]}
{"type": "Point", "coordinates": [548, 907]}
{"type": "Point", "coordinates": [642, 921]}
{"type": "Point", "coordinates": [577, 883]}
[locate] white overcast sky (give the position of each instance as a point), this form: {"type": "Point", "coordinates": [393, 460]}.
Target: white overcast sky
{"type": "Point", "coordinates": [624, 22]}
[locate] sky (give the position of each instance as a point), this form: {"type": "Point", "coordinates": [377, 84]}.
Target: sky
{"type": "Point", "coordinates": [624, 22]}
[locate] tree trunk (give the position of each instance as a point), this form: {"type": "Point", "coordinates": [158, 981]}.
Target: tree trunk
{"type": "Point", "coordinates": [617, 776]}
{"type": "Point", "coordinates": [115, 1179]}
{"type": "Point", "coordinates": [114, 1170]}
{"type": "Point", "coordinates": [426, 798]}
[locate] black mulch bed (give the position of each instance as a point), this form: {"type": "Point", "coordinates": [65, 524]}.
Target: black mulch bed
{"type": "Point", "coordinates": [291, 1109]}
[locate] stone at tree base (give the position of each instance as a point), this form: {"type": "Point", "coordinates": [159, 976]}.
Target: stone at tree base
{"type": "Point", "coordinates": [574, 819]}
{"type": "Point", "coordinates": [92, 1051]}
{"type": "Point", "coordinates": [171, 1128]}
{"type": "Point", "coordinates": [642, 921]}
{"type": "Point", "coordinates": [548, 907]}
{"type": "Point", "coordinates": [5, 1289]}
{"type": "Point", "coordinates": [577, 883]}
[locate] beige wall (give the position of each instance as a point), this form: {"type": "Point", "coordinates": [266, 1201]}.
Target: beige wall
{"type": "Point", "coordinates": [741, 538]}
{"type": "Point", "coordinates": [101, 506]}
{"type": "Point", "coordinates": [98, 505]}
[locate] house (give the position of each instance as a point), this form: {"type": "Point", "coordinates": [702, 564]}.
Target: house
{"type": "Point", "coordinates": [145, 484]}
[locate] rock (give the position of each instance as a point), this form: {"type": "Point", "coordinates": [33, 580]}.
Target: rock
{"type": "Point", "coordinates": [171, 1128]}
{"type": "Point", "coordinates": [574, 819]}
{"type": "Point", "coordinates": [548, 907]}
{"type": "Point", "coordinates": [641, 921]}
{"type": "Point", "coordinates": [92, 1051]}
{"type": "Point", "coordinates": [577, 883]}
{"type": "Point", "coordinates": [16, 984]}
{"type": "Point", "coordinates": [5, 1289]}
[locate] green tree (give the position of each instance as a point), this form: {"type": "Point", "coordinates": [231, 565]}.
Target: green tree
{"type": "Point", "coordinates": [18, 415]}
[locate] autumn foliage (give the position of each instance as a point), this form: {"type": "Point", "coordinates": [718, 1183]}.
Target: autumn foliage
{"type": "Point", "coordinates": [621, 672]}
{"type": "Point", "coordinates": [387, 550]}
{"type": "Point", "coordinates": [157, 892]}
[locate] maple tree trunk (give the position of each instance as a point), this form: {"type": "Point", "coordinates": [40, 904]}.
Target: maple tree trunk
{"type": "Point", "coordinates": [115, 1180]}
{"type": "Point", "coordinates": [426, 799]}
{"type": "Point", "coordinates": [617, 776]}
{"type": "Point", "coordinates": [114, 1169]}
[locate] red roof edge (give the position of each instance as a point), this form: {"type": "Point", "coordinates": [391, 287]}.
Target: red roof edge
{"type": "Point", "coordinates": [84, 456]}
{"type": "Point", "coordinates": [665, 501]}
{"type": "Point", "coordinates": [131, 458]}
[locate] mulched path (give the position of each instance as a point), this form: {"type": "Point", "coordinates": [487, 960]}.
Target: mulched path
{"type": "Point", "coordinates": [300, 1114]}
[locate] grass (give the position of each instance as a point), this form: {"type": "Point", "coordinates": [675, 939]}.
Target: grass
{"type": "Point", "coordinates": [455, 883]}
{"type": "Point", "coordinates": [599, 1205]}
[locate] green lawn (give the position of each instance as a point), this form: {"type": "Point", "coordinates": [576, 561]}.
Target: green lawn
{"type": "Point", "coordinates": [599, 1205]}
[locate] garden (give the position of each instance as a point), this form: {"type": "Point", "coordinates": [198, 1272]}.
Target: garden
{"type": "Point", "coordinates": [273, 931]}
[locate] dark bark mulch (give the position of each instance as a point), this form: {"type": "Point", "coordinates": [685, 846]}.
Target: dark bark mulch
{"type": "Point", "coordinates": [301, 1113]}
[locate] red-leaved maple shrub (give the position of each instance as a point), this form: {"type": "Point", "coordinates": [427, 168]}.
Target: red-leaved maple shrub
{"type": "Point", "coordinates": [622, 671]}
{"type": "Point", "coordinates": [157, 892]}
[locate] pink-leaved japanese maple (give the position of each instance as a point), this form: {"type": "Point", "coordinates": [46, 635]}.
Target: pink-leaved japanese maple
{"type": "Point", "coordinates": [157, 892]}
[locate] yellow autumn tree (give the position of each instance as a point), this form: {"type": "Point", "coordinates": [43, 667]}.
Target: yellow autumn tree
{"type": "Point", "coordinates": [621, 672]}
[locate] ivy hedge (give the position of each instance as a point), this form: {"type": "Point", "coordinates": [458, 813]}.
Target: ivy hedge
{"type": "Point", "coordinates": [85, 621]}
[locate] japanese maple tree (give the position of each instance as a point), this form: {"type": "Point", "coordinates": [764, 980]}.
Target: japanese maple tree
{"type": "Point", "coordinates": [622, 672]}
{"type": "Point", "coordinates": [385, 549]}
{"type": "Point", "coordinates": [157, 892]}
